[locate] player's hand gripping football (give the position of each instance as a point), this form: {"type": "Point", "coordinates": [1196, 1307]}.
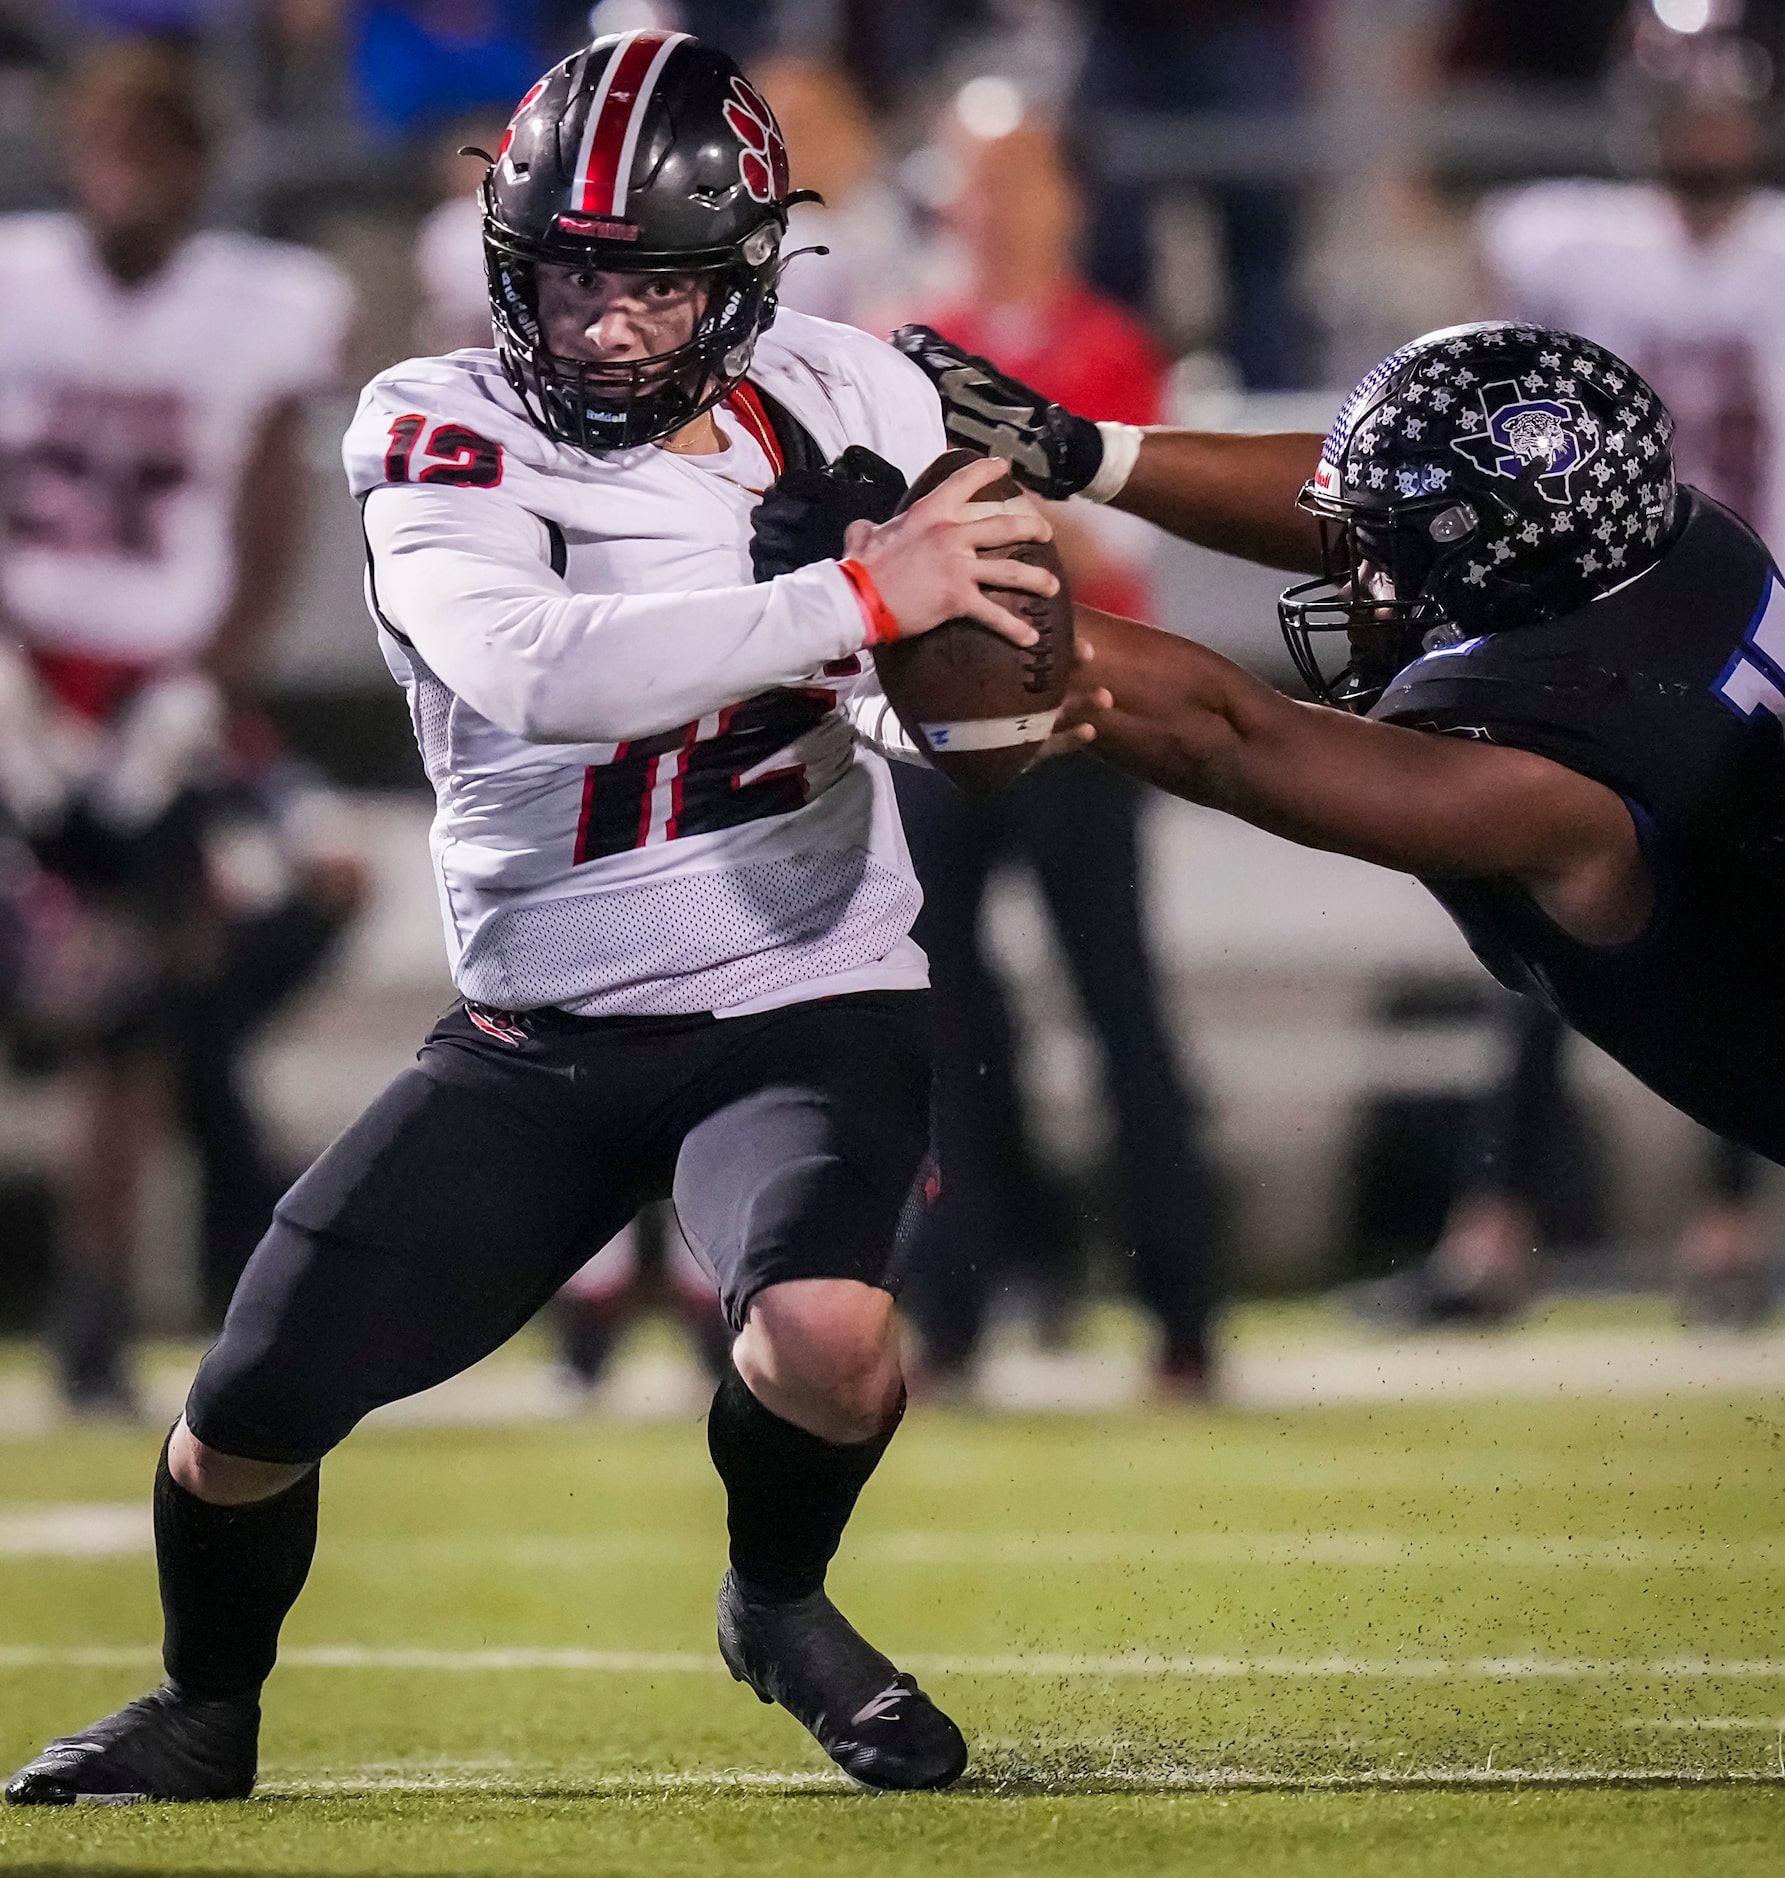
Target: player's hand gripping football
{"type": "Point", "coordinates": [1050, 449]}
{"type": "Point", "coordinates": [933, 562]}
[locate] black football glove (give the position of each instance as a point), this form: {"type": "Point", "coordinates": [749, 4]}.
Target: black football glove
{"type": "Point", "coordinates": [1052, 450]}
{"type": "Point", "coordinates": [803, 518]}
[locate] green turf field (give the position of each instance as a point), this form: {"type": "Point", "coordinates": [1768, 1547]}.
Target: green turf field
{"type": "Point", "coordinates": [1496, 1637]}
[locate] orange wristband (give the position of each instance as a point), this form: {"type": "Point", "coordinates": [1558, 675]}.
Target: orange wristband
{"type": "Point", "coordinates": [877, 616]}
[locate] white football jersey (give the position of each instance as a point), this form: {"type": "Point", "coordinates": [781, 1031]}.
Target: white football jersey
{"type": "Point", "coordinates": [654, 794]}
{"type": "Point", "coordinates": [126, 418]}
{"type": "Point", "coordinates": [1704, 322]}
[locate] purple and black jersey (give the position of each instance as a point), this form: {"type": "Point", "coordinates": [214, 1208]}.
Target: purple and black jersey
{"type": "Point", "coordinates": [1669, 691]}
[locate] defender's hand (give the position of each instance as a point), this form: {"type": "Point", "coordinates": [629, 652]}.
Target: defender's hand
{"type": "Point", "coordinates": [1067, 738]}
{"type": "Point", "coordinates": [1086, 699]}
{"type": "Point", "coordinates": [804, 517]}
{"type": "Point", "coordinates": [1050, 449]}
{"type": "Point", "coordinates": [927, 565]}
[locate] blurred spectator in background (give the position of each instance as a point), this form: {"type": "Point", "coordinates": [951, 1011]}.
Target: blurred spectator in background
{"type": "Point", "coordinates": [1486, 1266]}
{"type": "Point", "coordinates": [455, 296]}
{"type": "Point", "coordinates": [1075, 824]}
{"type": "Point", "coordinates": [741, 27]}
{"type": "Point", "coordinates": [1522, 40]}
{"type": "Point", "coordinates": [1221, 56]}
{"type": "Point", "coordinates": [648, 1267]}
{"type": "Point", "coordinates": [152, 381]}
{"type": "Point", "coordinates": [892, 48]}
{"type": "Point", "coordinates": [869, 276]}
{"type": "Point", "coordinates": [418, 63]}
{"type": "Point", "coordinates": [178, 19]}
{"type": "Point", "coordinates": [1684, 277]}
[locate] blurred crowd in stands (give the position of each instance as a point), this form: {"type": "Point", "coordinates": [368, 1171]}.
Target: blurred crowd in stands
{"type": "Point", "coordinates": [1134, 204]}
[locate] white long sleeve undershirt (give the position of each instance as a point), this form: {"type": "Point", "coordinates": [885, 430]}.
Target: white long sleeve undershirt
{"type": "Point", "coordinates": [465, 576]}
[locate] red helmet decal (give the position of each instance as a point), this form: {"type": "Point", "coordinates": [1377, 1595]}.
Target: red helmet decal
{"type": "Point", "coordinates": [762, 163]}
{"type": "Point", "coordinates": [520, 111]}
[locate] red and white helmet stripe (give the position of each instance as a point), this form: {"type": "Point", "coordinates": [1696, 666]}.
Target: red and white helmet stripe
{"type": "Point", "coordinates": [616, 117]}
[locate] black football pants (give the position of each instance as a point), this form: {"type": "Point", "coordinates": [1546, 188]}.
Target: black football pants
{"type": "Point", "coordinates": [481, 1179]}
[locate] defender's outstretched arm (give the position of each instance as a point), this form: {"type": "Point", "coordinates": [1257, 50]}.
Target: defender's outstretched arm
{"type": "Point", "coordinates": [1232, 493]}
{"type": "Point", "coordinates": [1182, 717]}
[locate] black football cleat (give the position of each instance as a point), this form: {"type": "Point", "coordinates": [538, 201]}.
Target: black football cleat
{"type": "Point", "coordinates": [160, 1747]}
{"type": "Point", "coordinates": [870, 1718]}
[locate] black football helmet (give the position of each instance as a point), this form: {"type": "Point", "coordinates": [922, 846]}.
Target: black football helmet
{"type": "Point", "coordinates": [1482, 478]}
{"type": "Point", "coordinates": [647, 152]}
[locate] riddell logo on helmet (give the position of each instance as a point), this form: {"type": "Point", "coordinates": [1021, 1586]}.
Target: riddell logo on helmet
{"type": "Point", "coordinates": [1514, 432]}
{"type": "Point", "coordinates": [762, 163]}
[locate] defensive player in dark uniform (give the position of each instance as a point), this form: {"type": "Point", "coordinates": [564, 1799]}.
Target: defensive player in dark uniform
{"type": "Point", "coordinates": [1505, 560]}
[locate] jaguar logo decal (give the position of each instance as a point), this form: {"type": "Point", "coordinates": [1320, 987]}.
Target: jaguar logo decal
{"type": "Point", "coordinates": [1516, 432]}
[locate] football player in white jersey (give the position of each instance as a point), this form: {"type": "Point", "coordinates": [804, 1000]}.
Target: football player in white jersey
{"type": "Point", "coordinates": [152, 380]}
{"type": "Point", "coordinates": [1684, 276]}
{"type": "Point", "coordinates": [676, 895]}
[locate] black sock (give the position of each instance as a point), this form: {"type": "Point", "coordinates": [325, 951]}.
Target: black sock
{"type": "Point", "coordinates": [228, 1576]}
{"type": "Point", "coordinates": [789, 1494]}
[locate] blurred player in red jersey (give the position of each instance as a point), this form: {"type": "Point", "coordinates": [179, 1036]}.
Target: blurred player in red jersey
{"type": "Point", "coordinates": [1074, 823]}
{"type": "Point", "coordinates": [151, 386]}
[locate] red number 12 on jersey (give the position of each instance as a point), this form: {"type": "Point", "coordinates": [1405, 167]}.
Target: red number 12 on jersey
{"type": "Point", "coordinates": [465, 458]}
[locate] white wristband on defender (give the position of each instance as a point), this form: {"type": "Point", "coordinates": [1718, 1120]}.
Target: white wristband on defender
{"type": "Point", "coordinates": [1121, 450]}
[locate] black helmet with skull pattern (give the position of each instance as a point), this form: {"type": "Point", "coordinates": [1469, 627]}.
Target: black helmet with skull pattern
{"type": "Point", "coordinates": [1482, 478]}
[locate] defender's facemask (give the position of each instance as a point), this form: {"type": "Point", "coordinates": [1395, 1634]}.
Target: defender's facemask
{"type": "Point", "coordinates": [1375, 588]}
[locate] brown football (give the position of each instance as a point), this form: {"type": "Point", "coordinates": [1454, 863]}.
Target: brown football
{"type": "Point", "coordinates": [980, 707]}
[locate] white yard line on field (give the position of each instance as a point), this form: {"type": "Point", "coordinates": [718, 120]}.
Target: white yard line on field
{"type": "Point", "coordinates": [1046, 1664]}
{"type": "Point", "coordinates": [75, 1531]}
{"type": "Point", "coordinates": [101, 1530]}
{"type": "Point", "coordinates": [1378, 1549]}
{"type": "Point", "coordinates": [473, 1777]}
{"type": "Point", "coordinates": [1165, 1779]}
